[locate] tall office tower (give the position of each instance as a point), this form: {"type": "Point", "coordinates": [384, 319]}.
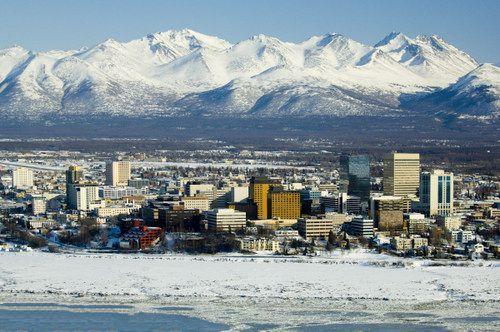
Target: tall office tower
{"type": "Point", "coordinates": [117, 173]}
{"type": "Point", "coordinates": [74, 175]}
{"type": "Point", "coordinates": [355, 173]}
{"type": "Point", "coordinates": [436, 193]}
{"type": "Point", "coordinates": [22, 178]}
{"type": "Point", "coordinates": [401, 174]}
{"type": "Point", "coordinates": [259, 189]}
{"type": "Point", "coordinates": [284, 204]}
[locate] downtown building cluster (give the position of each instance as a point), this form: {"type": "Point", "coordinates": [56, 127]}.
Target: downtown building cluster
{"type": "Point", "coordinates": [115, 207]}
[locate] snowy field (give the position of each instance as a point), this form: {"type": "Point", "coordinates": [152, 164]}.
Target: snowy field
{"type": "Point", "coordinates": [283, 292]}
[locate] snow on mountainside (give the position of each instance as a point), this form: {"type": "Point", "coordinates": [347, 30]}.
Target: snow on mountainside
{"type": "Point", "coordinates": [186, 72]}
{"type": "Point", "coordinates": [430, 57]}
{"type": "Point", "coordinates": [477, 94]}
{"type": "Point", "coordinates": [11, 57]}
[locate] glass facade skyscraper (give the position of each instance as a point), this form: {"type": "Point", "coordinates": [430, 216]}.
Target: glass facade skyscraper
{"type": "Point", "coordinates": [355, 173]}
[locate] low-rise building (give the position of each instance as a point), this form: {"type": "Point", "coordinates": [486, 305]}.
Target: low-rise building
{"type": "Point", "coordinates": [311, 228]}
{"type": "Point", "coordinates": [138, 183]}
{"type": "Point", "coordinates": [286, 232]}
{"type": "Point", "coordinates": [200, 203]}
{"type": "Point", "coordinates": [360, 226]}
{"type": "Point", "coordinates": [116, 210]}
{"type": "Point", "coordinates": [141, 237]}
{"type": "Point", "coordinates": [416, 223]}
{"type": "Point", "coordinates": [461, 236]}
{"type": "Point", "coordinates": [450, 223]}
{"type": "Point", "coordinates": [226, 219]}
{"type": "Point", "coordinates": [419, 242]}
{"type": "Point", "coordinates": [261, 244]}
{"type": "Point", "coordinates": [38, 204]}
{"type": "Point", "coordinates": [402, 243]}
{"type": "Point", "coordinates": [120, 192]}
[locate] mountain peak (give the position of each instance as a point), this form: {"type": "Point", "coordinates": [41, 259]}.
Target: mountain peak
{"type": "Point", "coordinates": [261, 38]}
{"type": "Point", "coordinates": [110, 42]}
{"type": "Point", "coordinates": [174, 33]}
{"type": "Point", "coordinates": [394, 40]}
{"type": "Point", "coordinates": [14, 49]}
{"type": "Point", "coordinates": [188, 39]}
{"type": "Point", "coordinates": [330, 38]}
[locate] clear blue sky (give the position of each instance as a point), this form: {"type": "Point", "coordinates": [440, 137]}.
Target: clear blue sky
{"type": "Point", "coordinates": [473, 26]}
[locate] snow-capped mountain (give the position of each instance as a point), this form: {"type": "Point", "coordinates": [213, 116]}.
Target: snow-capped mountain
{"type": "Point", "coordinates": [428, 56]}
{"type": "Point", "coordinates": [474, 95]}
{"type": "Point", "coordinates": [184, 72]}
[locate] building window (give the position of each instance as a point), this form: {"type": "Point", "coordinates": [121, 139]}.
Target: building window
{"type": "Point", "coordinates": [448, 190]}
{"type": "Point", "coordinates": [440, 189]}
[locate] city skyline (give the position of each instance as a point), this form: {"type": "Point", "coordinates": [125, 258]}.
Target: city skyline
{"type": "Point", "coordinates": [192, 215]}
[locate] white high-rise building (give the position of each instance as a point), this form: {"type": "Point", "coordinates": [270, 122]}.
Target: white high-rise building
{"type": "Point", "coordinates": [117, 173]}
{"type": "Point", "coordinates": [436, 193]}
{"type": "Point", "coordinates": [22, 178]}
{"type": "Point", "coordinates": [87, 196]}
{"type": "Point", "coordinates": [226, 219]}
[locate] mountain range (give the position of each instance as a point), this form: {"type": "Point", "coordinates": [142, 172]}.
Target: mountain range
{"type": "Point", "coordinates": [186, 73]}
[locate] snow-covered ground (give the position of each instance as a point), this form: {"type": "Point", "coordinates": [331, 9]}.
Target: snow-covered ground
{"type": "Point", "coordinates": [244, 285]}
{"type": "Point", "coordinates": [355, 275]}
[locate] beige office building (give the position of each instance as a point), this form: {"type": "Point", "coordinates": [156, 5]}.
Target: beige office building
{"type": "Point", "coordinates": [401, 174]}
{"type": "Point", "coordinates": [22, 178]}
{"type": "Point", "coordinates": [226, 219]}
{"type": "Point", "coordinates": [117, 173]}
{"type": "Point", "coordinates": [112, 211]}
{"type": "Point", "coordinates": [200, 203]}
{"type": "Point", "coordinates": [252, 244]}
{"type": "Point", "coordinates": [311, 228]}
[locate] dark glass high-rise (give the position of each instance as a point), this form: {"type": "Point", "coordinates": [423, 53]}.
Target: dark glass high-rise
{"type": "Point", "coordinates": [355, 174]}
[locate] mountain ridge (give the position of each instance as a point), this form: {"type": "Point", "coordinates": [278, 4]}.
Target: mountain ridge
{"type": "Point", "coordinates": [186, 72]}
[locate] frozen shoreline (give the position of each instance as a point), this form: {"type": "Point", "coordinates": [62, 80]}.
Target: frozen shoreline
{"type": "Point", "coordinates": [350, 275]}
{"type": "Point", "coordinates": [240, 290]}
